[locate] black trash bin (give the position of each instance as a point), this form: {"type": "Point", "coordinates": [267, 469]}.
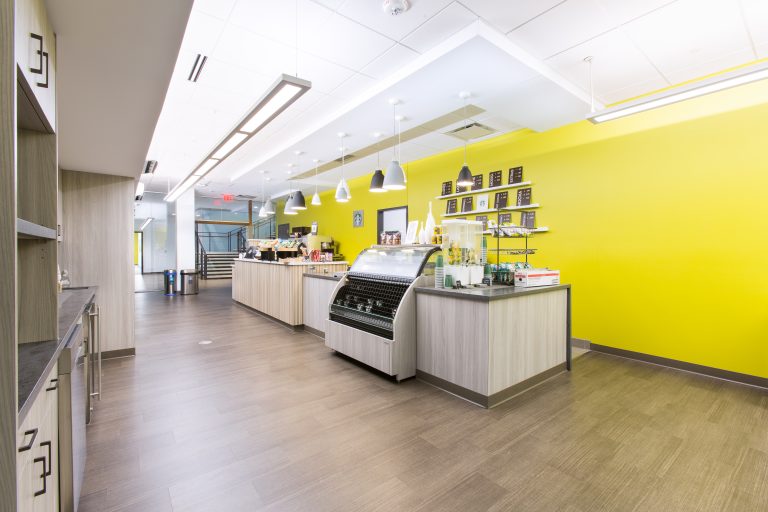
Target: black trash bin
{"type": "Point", "coordinates": [189, 281]}
{"type": "Point", "coordinates": [169, 282]}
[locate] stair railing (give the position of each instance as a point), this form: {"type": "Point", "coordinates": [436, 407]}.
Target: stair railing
{"type": "Point", "coordinates": [201, 258]}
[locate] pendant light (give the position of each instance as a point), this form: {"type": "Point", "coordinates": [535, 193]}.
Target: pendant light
{"type": "Point", "coordinates": [288, 209]}
{"type": "Point", "coordinates": [299, 203]}
{"type": "Point", "coordinates": [342, 189]}
{"type": "Point", "coordinates": [316, 198]}
{"type": "Point", "coordinates": [465, 175]}
{"type": "Point", "coordinates": [395, 178]}
{"type": "Point", "coordinates": [269, 207]}
{"type": "Point", "coordinates": [262, 210]}
{"type": "Point", "coordinates": [377, 180]}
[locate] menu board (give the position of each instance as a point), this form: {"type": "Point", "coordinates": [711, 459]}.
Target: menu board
{"type": "Point", "coordinates": [447, 188]}
{"type": "Point", "coordinates": [500, 200]}
{"type": "Point", "coordinates": [494, 179]}
{"type": "Point", "coordinates": [505, 218]}
{"type": "Point", "coordinates": [450, 206]}
{"type": "Point", "coordinates": [524, 197]}
{"type": "Point", "coordinates": [466, 204]}
{"type": "Point", "coordinates": [528, 219]}
{"type": "Point", "coordinates": [477, 182]}
{"type": "Point", "coordinates": [460, 189]}
{"type": "Point", "coordinates": [515, 175]}
{"type": "Point", "coordinates": [484, 220]}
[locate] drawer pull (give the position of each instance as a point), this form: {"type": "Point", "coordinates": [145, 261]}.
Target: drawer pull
{"type": "Point", "coordinates": [28, 446]}
{"type": "Point", "coordinates": [54, 385]}
{"type": "Point", "coordinates": [42, 475]}
{"type": "Point", "coordinates": [50, 457]}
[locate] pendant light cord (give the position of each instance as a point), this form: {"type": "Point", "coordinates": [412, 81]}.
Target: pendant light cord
{"type": "Point", "coordinates": [588, 60]}
{"type": "Point", "coordinates": [466, 120]}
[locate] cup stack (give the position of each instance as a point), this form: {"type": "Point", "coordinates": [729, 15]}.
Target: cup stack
{"type": "Point", "coordinates": [439, 272]}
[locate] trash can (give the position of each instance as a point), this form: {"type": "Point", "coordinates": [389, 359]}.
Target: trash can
{"type": "Point", "coordinates": [189, 281]}
{"type": "Point", "coordinates": [169, 282]}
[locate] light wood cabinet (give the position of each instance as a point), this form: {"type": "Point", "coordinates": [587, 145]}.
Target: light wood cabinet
{"type": "Point", "coordinates": [36, 59]}
{"type": "Point", "coordinates": [37, 451]}
{"type": "Point", "coordinates": [317, 298]}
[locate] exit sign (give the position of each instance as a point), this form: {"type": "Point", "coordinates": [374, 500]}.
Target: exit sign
{"type": "Point", "coordinates": [228, 198]}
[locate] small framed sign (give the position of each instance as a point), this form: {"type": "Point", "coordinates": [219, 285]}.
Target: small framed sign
{"type": "Point", "coordinates": [505, 218]}
{"type": "Point", "coordinates": [477, 182]}
{"type": "Point", "coordinates": [357, 219]}
{"type": "Point", "coordinates": [494, 179]}
{"type": "Point", "coordinates": [528, 219]}
{"type": "Point", "coordinates": [459, 189]}
{"type": "Point", "coordinates": [466, 204]}
{"type": "Point", "coordinates": [515, 175]}
{"type": "Point", "coordinates": [500, 200]}
{"type": "Point", "coordinates": [484, 220]}
{"type": "Point", "coordinates": [524, 197]}
{"type": "Point", "coordinates": [450, 206]}
{"type": "Point", "coordinates": [314, 228]}
{"type": "Point", "coordinates": [447, 188]}
{"type": "Point", "coordinates": [482, 202]}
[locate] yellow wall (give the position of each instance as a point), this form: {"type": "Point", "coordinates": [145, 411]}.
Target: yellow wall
{"type": "Point", "coordinates": [136, 236]}
{"type": "Point", "coordinates": [658, 221]}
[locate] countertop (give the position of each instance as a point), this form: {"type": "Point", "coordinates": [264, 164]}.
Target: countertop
{"type": "Point", "coordinates": [487, 294]}
{"type": "Point", "coordinates": [294, 264]}
{"type": "Point", "coordinates": [36, 359]}
{"type": "Point", "coordinates": [319, 274]}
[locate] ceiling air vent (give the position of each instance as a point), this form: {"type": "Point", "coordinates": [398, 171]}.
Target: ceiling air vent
{"type": "Point", "coordinates": [197, 67]}
{"type": "Point", "coordinates": [244, 197]}
{"type": "Point", "coordinates": [471, 131]}
{"type": "Point", "coordinates": [150, 166]}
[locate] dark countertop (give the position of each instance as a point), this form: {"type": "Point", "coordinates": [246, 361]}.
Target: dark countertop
{"type": "Point", "coordinates": [36, 359]}
{"type": "Point", "coordinates": [320, 274]}
{"type": "Point", "coordinates": [487, 294]}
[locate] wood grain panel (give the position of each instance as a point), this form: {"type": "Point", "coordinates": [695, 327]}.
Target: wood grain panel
{"type": "Point", "coordinates": [317, 298]}
{"type": "Point", "coordinates": [97, 248]}
{"type": "Point", "coordinates": [37, 301]}
{"type": "Point", "coordinates": [273, 289]}
{"type": "Point", "coordinates": [37, 177]}
{"type": "Point", "coordinates": [452, 340]}
{"type": "Point", "coordinates": [527, 337]}
{"type": "Point", "coordinates": [8, 349]}
{"type": "Point", "coordinates": [31, 17]}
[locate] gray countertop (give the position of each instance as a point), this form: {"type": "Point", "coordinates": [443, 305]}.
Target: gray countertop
{"type": "Point", "coordinates": [487, 294]}
{"type": "Point", "coordinates": [35, 360]}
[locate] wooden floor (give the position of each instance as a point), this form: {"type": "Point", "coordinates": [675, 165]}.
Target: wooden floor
{"type": "Point", "coordinates": [267, 419]}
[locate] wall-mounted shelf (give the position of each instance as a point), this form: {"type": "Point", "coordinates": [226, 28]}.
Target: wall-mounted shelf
{"type": "Point", "coordinates": [514, 251]}
{"type": "Point", "coordinates": [494, 210]}
{"type": "Point", "coordinates": [26, 229]}
{"type": "Point", "coordinates": [482, 190]}
{"type": "Point", "coordinates": [530, 230]}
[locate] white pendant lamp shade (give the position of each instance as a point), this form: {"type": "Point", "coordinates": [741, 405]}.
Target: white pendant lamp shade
{"type": "Point", "coordinates": [299, 203]}
{"type": "Point", "coordinates": [262, 212]}
{"type": "Point", "coordinates": [346, 188]}
{"type": "Point", "coordinates": [269, 208]}
{"type": "Point", "coordinates": [465, 177]}
{"type": "Point", "coordinates": [395, 177]}
{"type": "Point", "coordinates": [316, 200]}
{"type": "Point", "coordinates": [341, 192]}
{"type": "Point", "coordinates": [288, 209]}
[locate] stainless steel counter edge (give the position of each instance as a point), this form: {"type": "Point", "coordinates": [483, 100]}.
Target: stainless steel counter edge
{"type": "Point", "coordinates": [35, 360]}
{"type": "Point", "coordinates": [498, 292]}
{"type": "Point", "coordinates": [319, 275]}
{"type": "Point", "coordinates": [293, 264]}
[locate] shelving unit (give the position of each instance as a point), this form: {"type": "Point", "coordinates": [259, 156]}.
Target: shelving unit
{"type": "Point", "coordinates": [32, 231]}
{"type": "Point", "coordinates": [531, 206]}
{"type": "Point", "coordinates": [542, 229]}
{"type": "Point", "coordinates": [483, 190]}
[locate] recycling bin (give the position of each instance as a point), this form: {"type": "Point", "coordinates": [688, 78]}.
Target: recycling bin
{"type": "Point", "coordinates": [169, 282]}
{"type": "Point", "coordinates": [190, 282]}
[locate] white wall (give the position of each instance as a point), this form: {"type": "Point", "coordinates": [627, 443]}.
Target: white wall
{"type": "Point", "coordinates": [159, 249]}
{"type": "Point", "coordinates": [185, 231]}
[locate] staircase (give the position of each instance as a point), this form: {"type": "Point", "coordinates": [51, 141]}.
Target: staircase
{"type": "Point", "coordinates": [218, 265]}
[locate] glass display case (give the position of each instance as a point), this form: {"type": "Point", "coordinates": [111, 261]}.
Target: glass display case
{"type": "Point", "coordinates": [396, 261]}
{"type": "Point", "coordinates": [463, 254]}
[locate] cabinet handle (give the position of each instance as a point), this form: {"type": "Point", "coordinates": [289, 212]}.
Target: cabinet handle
{"type": "Point", "coordinates": [50, 457]}
{"type": "Point", "coordinates": [54, 385]}
{"type": "Point", "coordinates": [28, 446]}
{"type": "Point", "coordinates": [42, 475]}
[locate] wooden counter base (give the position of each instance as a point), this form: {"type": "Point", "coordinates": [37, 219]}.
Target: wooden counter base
{"type": "Point", "coordinates": [275, 289]}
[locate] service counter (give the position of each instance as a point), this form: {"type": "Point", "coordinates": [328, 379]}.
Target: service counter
{"type": "Point", "coordinates": [276, 288]}
{"type": "Point", "coordinates": [489, 344]}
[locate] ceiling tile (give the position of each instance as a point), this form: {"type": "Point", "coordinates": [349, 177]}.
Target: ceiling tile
{"type": "Point", "coordinates": [331, 4]}
{"type": "Point", "coordinates": [627, 10]}
{"type": "Point", "coordinates": [228, 77]}
{"type": "Point", "coordinates": [393, 59]}
{"type": "Point", "coordinates": [373, 16]}
{"type": "Point", "coordinates": [617, 64]}
{"type": "Point", "coordinates": [355, 85]}
{"type": "Point", "coordinates": [243, 48]}
{"type": "Point", "coordinates": [324, 75]}
{"type": "Point", "coordinates": [701, 68]}
{"type": "Point", "coordinates": [277, 20]}
{"type": "Point", "coordinates": [756, 17]}
{"type": "Point", "coordinates": [202, 33]}
{"type": "Point", "coordinates": [449, 21]}
{"type": "Point", "coordinates": [216, 8]}
{"type": "Point", "coordinates": [565, 26]}
{"type": "Point", "coordinates": [692, 35]}
{"type": "Point", "coordinates": [509, 14]}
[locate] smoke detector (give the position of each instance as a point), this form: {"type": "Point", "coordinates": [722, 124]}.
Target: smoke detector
{"type": "Point", "coordinates": [395, 7]}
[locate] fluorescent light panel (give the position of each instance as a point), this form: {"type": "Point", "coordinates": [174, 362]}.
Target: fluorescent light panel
{"type": "Point", "coordinates": [146, 223]}
{"type": "Point", "coordinates": [715, 84]}
{"type": "Point", "coordinates": [140, 189]}
{"type": "Point", "coordinates": [284, 92]}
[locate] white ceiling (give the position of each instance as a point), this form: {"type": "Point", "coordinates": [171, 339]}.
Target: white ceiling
{"type": "Point", "coordinates": [115, 60]}
{"type": "Point", "coordinates": [521, 59]}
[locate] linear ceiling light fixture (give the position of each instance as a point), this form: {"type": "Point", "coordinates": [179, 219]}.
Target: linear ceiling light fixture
{"type": "Point", "coordinates": [708, 86]}
{"type": "Point", "coordinates": [139, 191]}
{"type": "Point", "coordinates": [146, 223]}
{"type": "Point", "coordinates": [283, 93]}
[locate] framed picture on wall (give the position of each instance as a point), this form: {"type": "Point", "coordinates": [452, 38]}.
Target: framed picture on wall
{"type": "Point", "coordinates": [494, 179]}
{"type": "Point", "coordinates": [466, 204]}
{"type": "Point", "coordinates": [357, 219]}
{"type": "Point", "coordinates": [482, 202]}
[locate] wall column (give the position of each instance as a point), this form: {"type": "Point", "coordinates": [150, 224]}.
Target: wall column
{"type": "Point", "coordinates": [185, 232]}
